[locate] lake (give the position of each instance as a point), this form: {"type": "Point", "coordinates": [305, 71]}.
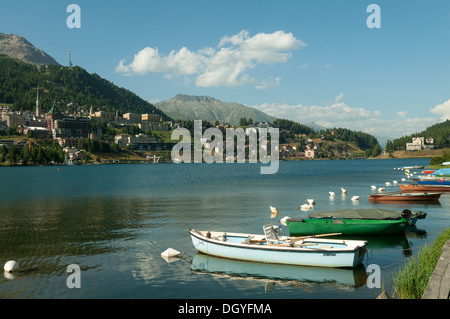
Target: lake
{"type": "Point", "coordinates": [114, 221]}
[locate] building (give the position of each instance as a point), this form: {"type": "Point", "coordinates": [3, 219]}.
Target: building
{"type": "Point", "coordinates": [312, 150]}
{"type": "Point", "coordinates": [153, 118]}
{"type": "Point", "coordinates": [419, 143]}
{"type": "Point", "coordinates": [7, 143]}
{"type": "Point", "coordinates": [153, 126]}
{"type": "Point", "coordinates": [132, 118]}
{"type": "Point", "coordinates": [67, 141]}
{"type": "Point", "coordinates": [142, 143]}
{"type": "Point", "coordinates": [71, 127]}
{"type": "Point", "coordinates": [13, 118]}
{"type": "Point", "coordinates": [255, 128]}
{"type": "Point", "coordinates": [121, 140]}
{"type": "Point", "coordinates": [103, 116]}
{"type": "Point", "coordinates": [52, 116]}
{"type": "Point", "coordinates": [311, 153]}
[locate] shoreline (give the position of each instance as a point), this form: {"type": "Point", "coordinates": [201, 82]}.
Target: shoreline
{"type": "Point", "coordinates": [137, 157]}
{"type": "Point", "coordinates": [163, 161]}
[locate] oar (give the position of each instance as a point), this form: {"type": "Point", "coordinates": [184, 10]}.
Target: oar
{"type": "Point", "coordinates": [313, 236]}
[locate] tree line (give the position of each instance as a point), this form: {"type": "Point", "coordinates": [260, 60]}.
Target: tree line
{"type": "Point", "coordinates": [44, 153]}
{"type": "Point", "coordinates": [440, 133]}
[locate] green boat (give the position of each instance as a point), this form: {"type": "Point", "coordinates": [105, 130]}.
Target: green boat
{"type": "Point", "coordinates": [354, 222]}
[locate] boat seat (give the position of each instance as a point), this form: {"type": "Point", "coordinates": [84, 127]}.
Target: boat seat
{"type": "Point", "coordinates": [271, 235]}
{"type": "Point", "coordinates": [221, 238]}
{"type": "Point", "coordinates": [247, 240]}
{"type": "Point", "coordinates": [337, 221]}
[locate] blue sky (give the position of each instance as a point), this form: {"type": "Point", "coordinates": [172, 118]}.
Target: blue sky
{"type": "Point", "coordinates": [308, 61]}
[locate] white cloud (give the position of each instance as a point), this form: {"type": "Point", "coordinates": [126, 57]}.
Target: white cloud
{"type": "Point", "coordinates": [402, 114]}
{"type": "Point", "coordinates": [443, 110]}
{"type": "Point", "coordinates": [228, 65]}
{"type": "Point", "coordinates": [183, 62]}
{"type": "Point", "coordinates": [339, 114]}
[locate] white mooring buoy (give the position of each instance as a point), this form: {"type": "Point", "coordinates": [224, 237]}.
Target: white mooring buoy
{"type": "Point", "coordinates": [11, 266]}
{"type": "Point", "coordinates": [170, 252]}
{"type": "Point", "coordinates": [306, 206]}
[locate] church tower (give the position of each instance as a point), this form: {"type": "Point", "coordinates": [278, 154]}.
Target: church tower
{"type": "Point", "coordinates": [38, 105]}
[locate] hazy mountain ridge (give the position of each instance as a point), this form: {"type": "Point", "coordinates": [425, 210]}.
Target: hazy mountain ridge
{"type": "Point", "coordinates": [206, 108]}
{"type": "Point", "coordinates": [19, 48]}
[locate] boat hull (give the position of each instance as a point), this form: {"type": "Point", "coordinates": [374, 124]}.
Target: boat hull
{"type": "Point", "coordinates": [424, 188]}
{"type": "Point", "coordinates": [352, 227]}
{"type": "Point", "coordinates": [276, 254]}
{"type": "Point", "coordinates": [434, 182]}
{"type": "Point", "coordinates": [403, 196]}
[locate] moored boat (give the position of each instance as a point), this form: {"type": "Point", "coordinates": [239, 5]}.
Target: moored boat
{"type": "Point", "coordinates": [403, 196]}
{"type": "Point", "coordinates": [351, 227]}
{"type": "Point", "coordinates": [432, 178]}
{"type": "Point", "coordinates": [441, 171]}
{"type": "Point", "coordinates": [271, 248]}
{"type": "Point", "coordinates": [355, 222]}
{"type": "Point", "coordinates": [424, 188]}
{"type": "Point", "coordinates": [371, 213]}
{"type": "Point", "coordinates": [434, 182]}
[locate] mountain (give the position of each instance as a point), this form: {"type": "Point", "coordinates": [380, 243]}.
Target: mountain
{"type": "Point", "coordinates": [184, 107]}
{"type": "Point", "coordinates": [316, 127]}
{"type": "Point", "coordinates": [60, 86]}
{"type": "Point", "coordinates": [18, 47]}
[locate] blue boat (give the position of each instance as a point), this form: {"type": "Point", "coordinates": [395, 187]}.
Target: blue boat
{"type": "Point", "coordinates": [434, 182]}
{"type": "Point", "coordinates": [442, 171]}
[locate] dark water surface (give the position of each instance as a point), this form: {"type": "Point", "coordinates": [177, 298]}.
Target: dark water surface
{"type": "Point", "coordinates": [115, 220]}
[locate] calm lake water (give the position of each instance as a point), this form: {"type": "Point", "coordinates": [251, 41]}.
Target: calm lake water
{"type": "Point", "coordinates": [115, 220]}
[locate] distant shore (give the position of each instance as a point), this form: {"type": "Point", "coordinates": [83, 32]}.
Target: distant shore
{"type": "Point", "coordinates": [413, 154]}
{"type": "Point", "coordinates": [135, 157]}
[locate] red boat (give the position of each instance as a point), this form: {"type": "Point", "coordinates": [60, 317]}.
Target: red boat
{"type": "Point", "coordinates": [424, 188]}
{"type": "Point", "coordinates": [402, 196]}
{"type": "Point", "coordinates": [428, 171]}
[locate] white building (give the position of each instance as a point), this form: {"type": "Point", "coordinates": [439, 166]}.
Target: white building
{"type": "Point", "coordinates": [418, 143]}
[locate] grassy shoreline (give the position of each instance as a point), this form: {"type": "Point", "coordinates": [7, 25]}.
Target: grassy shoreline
{"type": "Point", "coordinates": [412, 278]}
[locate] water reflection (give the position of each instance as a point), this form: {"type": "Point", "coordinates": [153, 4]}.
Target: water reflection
{"type": "Point", "coordinates": [45, 236]}
{"type": "Point", "coordinates": [281, 274]}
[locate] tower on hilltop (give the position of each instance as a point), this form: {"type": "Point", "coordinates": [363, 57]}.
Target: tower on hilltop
{"type": "Point", "coordinates": [70, 59]}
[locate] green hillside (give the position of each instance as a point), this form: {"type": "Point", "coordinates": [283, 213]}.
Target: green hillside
{"type": "Point", "coordinates": [61, 85]}
{"type": "Point", "coordinates": [440, 133]}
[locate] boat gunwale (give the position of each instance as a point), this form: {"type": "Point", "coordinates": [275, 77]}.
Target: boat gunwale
{"type": "Point", "coordinates": [404, 188]}
{"type": "Point", "coordinates": [353, 247]}
{"type": "Point", "coordinates": [350, 222]}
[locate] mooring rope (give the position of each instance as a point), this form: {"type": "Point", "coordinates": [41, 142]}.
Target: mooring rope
{"type": "Point", "coordinates": [428, 216]}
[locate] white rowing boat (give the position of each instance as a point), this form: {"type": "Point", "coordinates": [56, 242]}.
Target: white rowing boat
{"type": "Point", "coordinates": [270, 248]}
